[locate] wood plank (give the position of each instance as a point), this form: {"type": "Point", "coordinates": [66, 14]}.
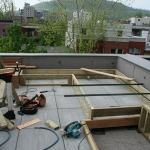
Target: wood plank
{"type": "Point", "coordinates": [8, 70]}
{"type": "Point", "coordinates": [107, 74]}
{"type": "Point", "coordinates": [113, 122]}
{"type": "Point", "coordinates": [14, 66]}
{"type": "Point", "coordinates": [52, 125]}
{"type": "Point", "coordinates": [28, 123]}
{"type": "Point", "coordinates": [3, 122]}
{"type": "Point", "coordinates": [84, 101]}
{"type": "Point", "coordinates": [89, 137]}
{"type": "Point", "coordinates": [116, 111]}
{"type": "Point", "coordinates": [2, 89]}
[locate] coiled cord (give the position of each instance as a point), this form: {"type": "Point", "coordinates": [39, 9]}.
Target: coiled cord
{"type": "Point", "coordinates": [9, 135]}
{"type": "Point", "coordinates": [51, 131]}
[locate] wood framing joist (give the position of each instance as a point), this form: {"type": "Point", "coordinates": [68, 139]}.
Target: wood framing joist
{"type": "Point", "coordinates": [89, 136]}
{"type": "Point", "coordinates": [144, 123]}
{"type": "Point", "coordinates": [107, 74]}
{"type": "Point", "coordinates": [113, 122]}
{"type": "Point", "coordinates": [114, 111]}
{"type": "Point", "coordinates": [84, 101]}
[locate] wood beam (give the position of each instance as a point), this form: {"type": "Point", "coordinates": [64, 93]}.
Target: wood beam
{"type": "Point", "coordinates": [8, 70]}
{"type": "Point", "coordinates": [113, 122]}
{"type": "Point", "coordinates": [107, 74]}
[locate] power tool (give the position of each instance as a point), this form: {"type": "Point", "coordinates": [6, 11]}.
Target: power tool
{"type": "Point", "coordinates": [72, 129]}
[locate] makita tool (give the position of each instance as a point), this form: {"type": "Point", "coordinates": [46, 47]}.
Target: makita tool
{"type": "Point", "coordinates": [72, 129]}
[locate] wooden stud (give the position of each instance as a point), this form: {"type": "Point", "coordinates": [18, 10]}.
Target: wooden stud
{"type": "Point", "coordinates": [52, 124]}
{"type": "Point", "coordinates": [3, 123]}
{"type": "Point", "coordinates": [10, 126]}
{"type": "Point", "coordinates": [8, 70]}
{"type": "Point", "coordinates": [89, 137]}
{"type": "Point", "coordinates": [113, 122]}
{"type": "Point", "coordinates": [116, 111]}
{"type": "Point", "coordinates": [28, 123]}
{"type": "Point", "coordinates": [2, 89]}
{"type": "Point", "coordinates": [144, 122]}
{"type": "Point", "coordinates": [107, 74]}
{"type": "Point", "coordinates": [84, 101]}
{"type": "Point", "coordinates": [70, 80]}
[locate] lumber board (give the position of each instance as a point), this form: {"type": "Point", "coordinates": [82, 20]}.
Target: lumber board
{"type": "Point", "coordinates": [89, 137]}
{"type": "Point", "coordinates": [10, 126]}
{"type": "Point", "coordinates": [115, 111]}
{"type": "Point", "coordinates": [3, 123]}
{"type": "Point", "coordinates": [2, 89]}
{"type": "Point", "coordinates": [63, 71]}
{"type": "Point", "coordinates": [28, 123]}
{"type": "Point", "coordinates": [107, 74]}
{"type": "Point", "coordinates": [14, 66]}
{"type": "Point", "coordinates": [84, 101]}
{"type": "Point", "coordinates": [52, 124]}
{"type": "Point", "coordinates": [70, 80]}
{"type": "Point", "coordinates": [8, 70]}
{"type": "Point", "coordinates": [11, 60]}
{"type": "Point", "coordinates": [113, 122]}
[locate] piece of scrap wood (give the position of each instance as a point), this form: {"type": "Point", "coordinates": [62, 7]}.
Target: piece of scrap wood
{"type": "Point", "coordinates": [8, 70]}
{"type": "Point", "coordinates": [24, 125]}
{"type": "Point", "coordinates": [107, 74]}
{"type": "Point", "coordinates": [52, 124]}
{"type": "Point", "coordinates": [10, 126]}
{"type": "Point", "coordinates": [3, 123]}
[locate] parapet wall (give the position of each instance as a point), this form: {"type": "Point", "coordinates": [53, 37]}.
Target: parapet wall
{"type": "Point", "coordinates": [130, 65]}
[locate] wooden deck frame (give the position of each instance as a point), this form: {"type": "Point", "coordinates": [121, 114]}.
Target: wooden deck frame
{"type": "Point", "coordinates": [126, 116]}
{"type": "Point", "coordinates": [27, 74]}
{"type": "Point", "coordinates": [107, 123]}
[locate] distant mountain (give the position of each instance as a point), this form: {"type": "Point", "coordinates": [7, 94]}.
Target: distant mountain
{"type": "Point", "coordinates": [127, 13]}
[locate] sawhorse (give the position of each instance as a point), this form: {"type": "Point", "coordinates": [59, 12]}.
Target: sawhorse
{"type": "Point", "coordinates": [6, 75]}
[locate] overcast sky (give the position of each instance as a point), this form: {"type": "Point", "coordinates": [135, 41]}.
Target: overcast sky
{"type": "Point", "coordinates": [143, 4]}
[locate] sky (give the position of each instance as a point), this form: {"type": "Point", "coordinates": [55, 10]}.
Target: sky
{"type": "Point", "coordinates": [141, 4]}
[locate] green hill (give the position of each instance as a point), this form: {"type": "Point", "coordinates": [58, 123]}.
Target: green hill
{"type": "Point", "coordinates": [125, 11]}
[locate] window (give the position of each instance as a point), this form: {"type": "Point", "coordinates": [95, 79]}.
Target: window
{"type": "Point", "coordinates": [3, 31]}
{"type": "Point", "coordinates": [116, 51]}
{"type": "Point", "coordinates": [134, 51]}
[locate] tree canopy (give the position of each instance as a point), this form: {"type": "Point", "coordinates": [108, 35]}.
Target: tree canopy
{"type": "Point", "coordinates": [13, 42]}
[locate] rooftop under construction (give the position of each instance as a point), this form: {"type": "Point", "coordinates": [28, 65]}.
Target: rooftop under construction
{"type": "Point", "coordinates": [109, 94]}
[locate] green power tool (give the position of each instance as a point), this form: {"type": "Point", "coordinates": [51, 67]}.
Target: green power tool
{"type": "Point", "coordinates": [72, 129]}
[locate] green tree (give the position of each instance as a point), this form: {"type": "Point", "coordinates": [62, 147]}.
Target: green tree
{"type": "Point", "coordinates": [139, 15]}
{"type": "Point", "coordinates": [52, 32]}
{"type": "Point", "coordinates": [16, 39]}
{"type": "Point", "coordinates": [6, 8]}
{"type": "Point", "coordinates": [91, 22]}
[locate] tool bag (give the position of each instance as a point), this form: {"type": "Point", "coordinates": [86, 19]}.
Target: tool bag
{"type": "Point", "coordinates": [30, 106]}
